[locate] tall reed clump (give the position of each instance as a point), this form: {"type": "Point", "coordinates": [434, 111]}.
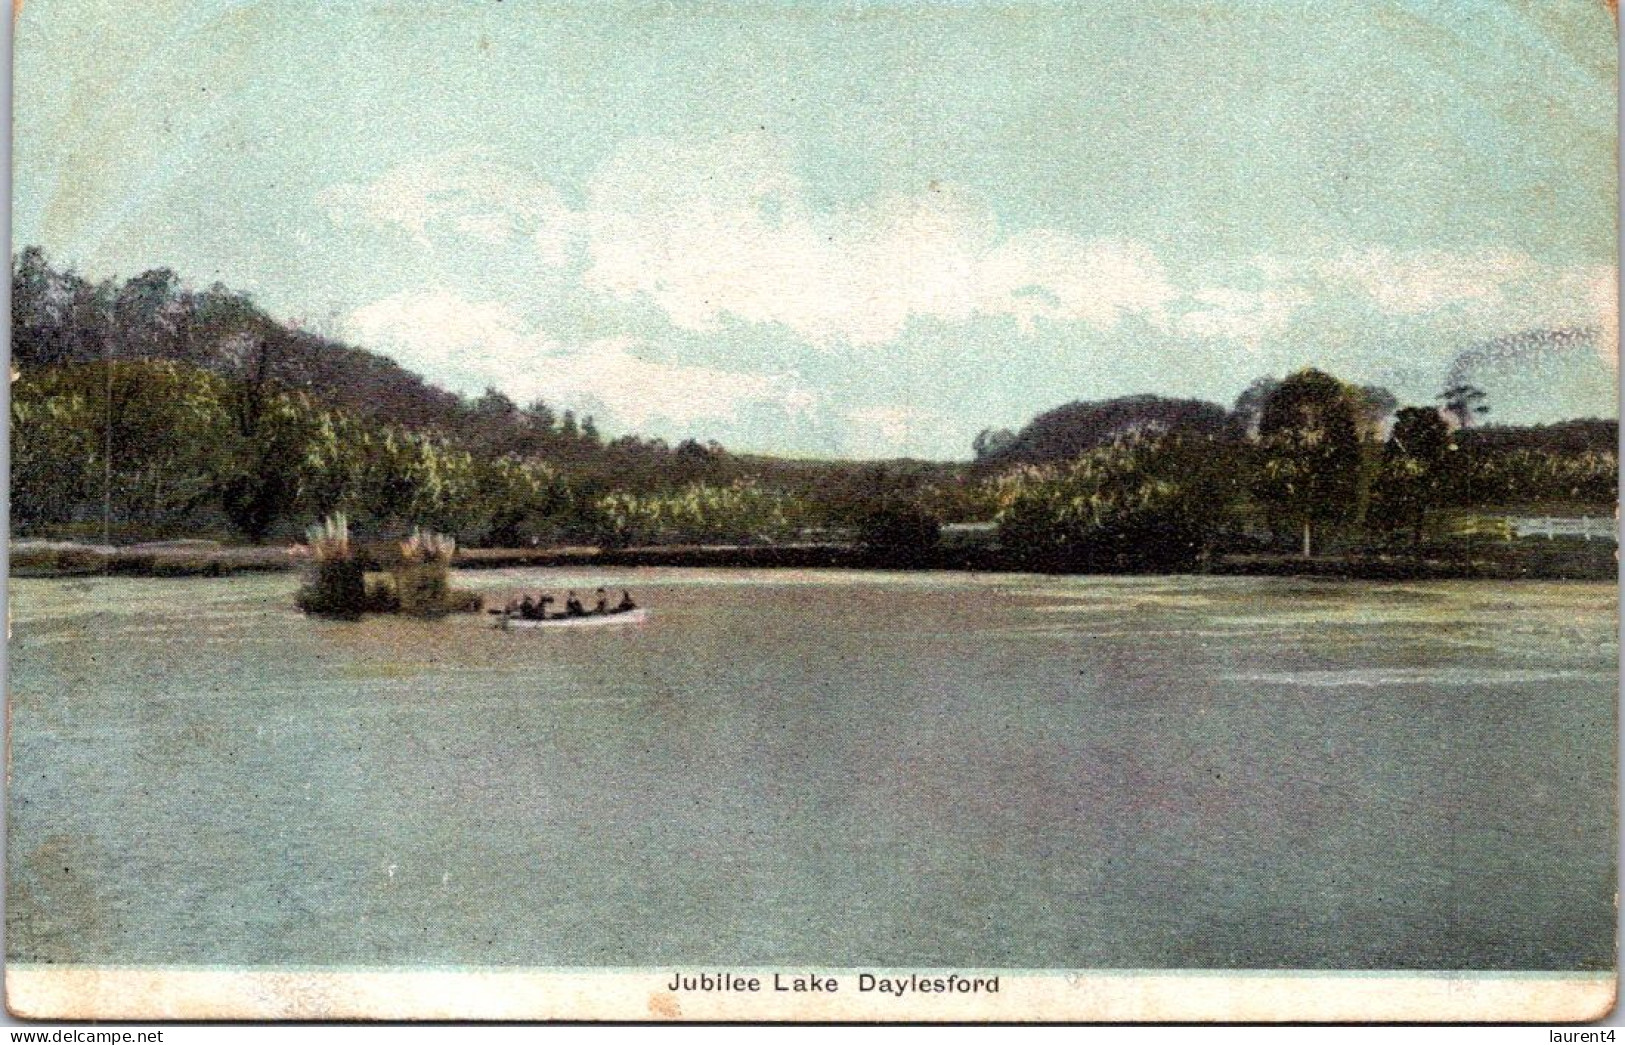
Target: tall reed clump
{"type": "Point", "coordinates": [336, 583]}
{"type": "Point", "coordinates": [423, 577]}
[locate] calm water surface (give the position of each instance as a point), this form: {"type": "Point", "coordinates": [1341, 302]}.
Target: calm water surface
{"type": "Point", "coordinates": [839, 769]}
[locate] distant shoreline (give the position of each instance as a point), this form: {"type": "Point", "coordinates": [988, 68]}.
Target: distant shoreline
{"type": "Point", "coordinates": [1527, 559]}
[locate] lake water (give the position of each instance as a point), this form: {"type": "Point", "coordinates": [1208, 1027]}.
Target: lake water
{"type": "Point", "coordinates": [833, 769]}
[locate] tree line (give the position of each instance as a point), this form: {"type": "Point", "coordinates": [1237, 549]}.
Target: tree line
{"type": "Point", "coordinates": [1314, 463]}
{"type": "Point", "coordinates": [146, 409]}
{"type": "Point", "coordinates": [93, 339]}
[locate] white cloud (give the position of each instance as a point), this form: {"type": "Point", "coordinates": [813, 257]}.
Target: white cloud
{"type": "Point", "coordinates": [724, 229]}
{"type": "Point", "coordinates": [1058, 276]}
{"type": "Point", "coordinates": [638, 391]}
{"type": "Point", "coordinates": [1458, 297]}
{"type": "Point", "coordinates": [1411, 284]}
{"type": "Point", "coordinates": [712, 233]}
{"type": "Point", "coordinates": [1246, 317]}
{"type": "Point", "coordinates": [438, 332]}
{"type": "Point", "coordinates": [1599, 287]}
{"type": "Point", "coordinates": [461, 196]}
{"type": "Point", "coordinates": [473, 345]}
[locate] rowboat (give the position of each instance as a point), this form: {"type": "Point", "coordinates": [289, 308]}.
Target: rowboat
{"type": "Point", "coordinates": [590, 620]}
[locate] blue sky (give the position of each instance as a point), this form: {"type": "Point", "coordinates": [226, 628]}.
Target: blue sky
{"type": "Point", "coordinates": [858, 229]}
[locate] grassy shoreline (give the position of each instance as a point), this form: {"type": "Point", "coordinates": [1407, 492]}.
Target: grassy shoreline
{"type": "Point", "coordinates": [1527, 559]}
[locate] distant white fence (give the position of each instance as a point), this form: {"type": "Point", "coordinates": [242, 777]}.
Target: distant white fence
{"type": "Point", "coordinates": [1551, 527]}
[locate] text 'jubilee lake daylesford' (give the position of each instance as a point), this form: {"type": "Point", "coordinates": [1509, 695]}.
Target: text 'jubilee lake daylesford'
{"type": "Point", "coordinates": [829, 983]}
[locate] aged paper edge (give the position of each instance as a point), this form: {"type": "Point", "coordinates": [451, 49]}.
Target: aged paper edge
{"type": "Point", "coordinates": [83, 993]}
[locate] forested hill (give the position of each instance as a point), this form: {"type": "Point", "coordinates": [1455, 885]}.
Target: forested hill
{"type": "Point", "coordinates": [60, 318]}
{"type": "Point", "coordinates": [1065, 432]}
{"type": "Point", "coordinates": [147, 408]}
{"type": "Point", "coordinates": [1062, 434]}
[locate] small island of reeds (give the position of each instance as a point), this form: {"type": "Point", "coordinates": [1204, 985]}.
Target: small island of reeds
{"type": "Point", "coordinates": [416, 580]}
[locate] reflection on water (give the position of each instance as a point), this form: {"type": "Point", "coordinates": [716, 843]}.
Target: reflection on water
{"type": "Point", "coordinates": [833, 769]}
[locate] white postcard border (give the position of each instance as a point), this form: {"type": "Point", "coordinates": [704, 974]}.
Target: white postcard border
{"type": "Point", "coordinates": [1131, 996]}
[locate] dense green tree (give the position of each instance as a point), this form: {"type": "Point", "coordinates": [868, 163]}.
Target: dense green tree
{"type": "Point", "coordinates": [1059, 435]}
{"type": "Point", "coordinates": [541, 416]}
{"type": "Point", "coordinates": [1464, 402]}
{"type": "Point", "coordinates": [900, 529]}
{"type": "Point", "coordinates": [521, 500]}
{"type": "Point", "coordinates": [991, 442]}
{"type": "Point", "coordinates": [1532, 478]}
{"type": "Point", "coordinates": [275, 459]}
{"type": "Point", "coordinates": [450, 500]}
{"type": "Point", "coordinates": [1249, 406]}
{"type": "Point", "coordinates": [589, 431]}
{"type": "Point", "coordinates": [55, 447]}
{"type": "Point", "coordinates": [739, 513]}
{"type": "Point", "coordinates": [1309, 473]}
{"type": "Point", "coordinates": [1412, 477]}
{"type": "Point", "coordinates": [1146, 502]}
{"type": "Point", "coordinates": [1375, 405]}
{"type": "Point", "coordinates": [137, 444]}
{"type": "Point", "coordinates": [335, 465]}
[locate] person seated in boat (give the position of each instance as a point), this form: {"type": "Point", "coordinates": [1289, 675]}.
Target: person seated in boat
{"type": "Point", "coordinates": [542, 602]}
{"type": "Point", "coordinates": [602, 605]}
{"type": "Point", "coordinates": [527, 608]}
{"type": "Point", "coordinates": [626, 602]}
{"type": "Point", "coordinates": [573, 607]}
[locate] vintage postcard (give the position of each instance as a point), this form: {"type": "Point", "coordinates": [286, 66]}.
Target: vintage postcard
{"type": "Point", "coordinates": [813, 510]}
